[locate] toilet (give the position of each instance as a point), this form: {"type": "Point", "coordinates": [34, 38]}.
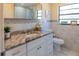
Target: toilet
{"type": "Point", "coordinates": [57, 42]}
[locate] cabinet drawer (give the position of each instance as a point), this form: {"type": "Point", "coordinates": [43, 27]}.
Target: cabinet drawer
{"type": "Point", "coordinates": [16, 51]}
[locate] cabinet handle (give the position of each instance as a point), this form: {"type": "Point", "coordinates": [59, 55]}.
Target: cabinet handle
{"type": "Point", "coordinates": [39, 47]}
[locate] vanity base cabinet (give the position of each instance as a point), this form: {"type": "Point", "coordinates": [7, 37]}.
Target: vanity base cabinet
{"type": "Point", "coordinates": [17, 51]}
{"type": "Point", "coordinates": [36, 47]}
{"type": "Point", "coordinates": [42, 46]}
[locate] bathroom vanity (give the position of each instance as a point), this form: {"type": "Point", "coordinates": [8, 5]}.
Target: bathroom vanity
{"type": "Point", "coordinates": [38, 45]}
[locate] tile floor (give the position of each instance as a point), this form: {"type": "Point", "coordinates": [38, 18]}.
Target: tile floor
{"type": "Point", "coordinates": [65, 52]}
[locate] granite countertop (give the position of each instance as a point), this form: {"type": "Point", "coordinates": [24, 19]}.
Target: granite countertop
{"type": "Point", "coordinates": [22, 38]}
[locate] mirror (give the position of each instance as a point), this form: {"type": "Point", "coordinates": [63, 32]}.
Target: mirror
{"type": "Point", "coordinates": [21, 10]}
{"type": "Point", "coordinates": [25, 10]}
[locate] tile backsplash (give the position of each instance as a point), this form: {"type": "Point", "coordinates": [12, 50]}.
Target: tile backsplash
{"type": "Point", "coordinates": [69, 33]}
{"type": "Point", "coordinates": [24, 25]}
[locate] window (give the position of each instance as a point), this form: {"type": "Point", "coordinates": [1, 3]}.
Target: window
{"type": "Point", "coordinates": [39, 14]}
{"type": "Point", "coordinates": [69, 13]}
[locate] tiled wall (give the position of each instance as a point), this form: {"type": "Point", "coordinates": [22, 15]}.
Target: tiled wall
{"type": "Point", "coordinates": [69, 33]}
{"type": "Point", "coordinates": [20, 24]}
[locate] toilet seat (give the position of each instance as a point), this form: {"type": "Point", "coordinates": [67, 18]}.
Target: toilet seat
{"type": "Point", "coordinates": [58, 41]}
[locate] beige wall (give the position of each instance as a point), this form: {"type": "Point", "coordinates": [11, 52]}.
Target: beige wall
{"type": "Point", "coordinates": [69, 33]}
{"type": "Point", "coordinates": [1, 29]}
{"type": "Point", "coordinates": [8, 10]}
{"type": "Point", "coordinates": [53, 8]}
